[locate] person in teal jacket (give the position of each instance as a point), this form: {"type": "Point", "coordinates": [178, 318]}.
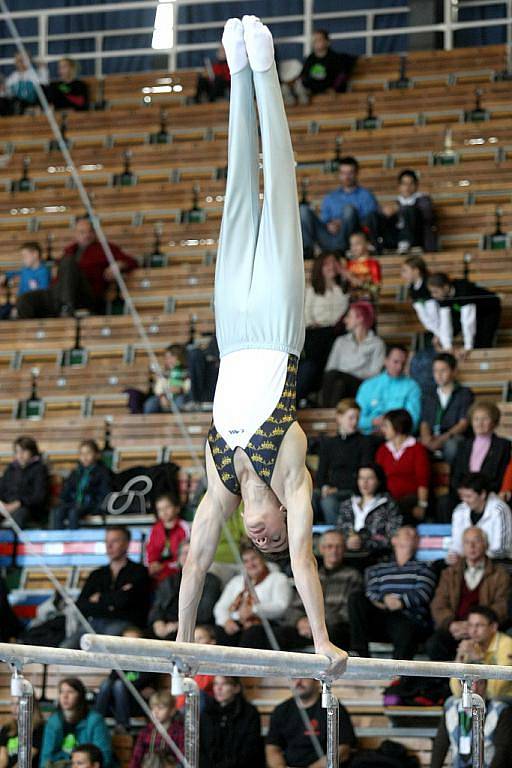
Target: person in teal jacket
{"type": "Point", "coordinates": [72, 724]}
{"type": "Point", "coordinates": [390, 389]}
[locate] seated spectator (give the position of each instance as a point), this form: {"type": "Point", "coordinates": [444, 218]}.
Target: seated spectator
{"type": "Point", "coordinates": [68, 92]}
{"type": "Point", "coordinates": [116, 595]}
{"type": "Point", "coordinates": [357, 355]}
{"type": "Point", "coordinates": [406, 464]}
{"type": "Point", "coordinates": [415, 275]}
{"type": "Point", "coordinates": [370, 518]}
{"type": "Point", "coordinates": [483, 508]}
{"type": "Point", "coordinates": [455, 732]}
{"type": "Point", "coordinates": [225, 563]}
{"type": "Point", "coordinates": [472, 580]}
{"type": "Point", "coordinates": [74, 723]}
{"type": "Point", "coordinates": [326, 68]}
{"type": "Point", "coordinates": [83, 276]}
{"type": "Point", "coordinates": [203, 369]}
{"type": "Point", "coordinates": [86, 756]}
{"type": "Point", "coordinates": [338, 581]}
{"type": "Point", "coordinates": [175, 378]}
{"type": "Point", "coordinates": [389, 390]}
{"type": "Point", "coordinates": [150, 740]}
{"type": "Point", "coordinates": [203, 635]}
{"type": "Point", "coordinates": [485, 645]}
{"type": "Point", "coordinates": [165, 538]}
{"type": "Point", "coordinates": [485, 452]}
{"type": "Point", "coordinates": [465, 309]}
{"type": "Point", "coordinates": [344, 211]}
{"type": "Point", "coordinates": [444, 413]}
{"type": "Point", "coordinates": [33, 275]}
{"type": "Point", "coordinates": [237, 616]}
{"type": "Point", "coordinates": [409, 221]}
{"type": "Point", "coordinates": [215, 84]}
{"type": "Point", "coordinates": [363, 271]}
{"type": "Point", "coordinates": [115, 699]}
{"type": "Point", "coordinates": [85, 489]}
{"type": "Point", "coordinates": [230, 728]}
{"type": "Point", "coordinates": [9, 742]}
{"type": "Point", "coordinates": [163, 616]}
{"type": "Point", "coordinates": [25, 484]}
{"type": "Point", "coordinates": [289, 741]}
{"type": "Point", "coordinates": [20, 84]}
{"type": "Point", "coordinates": [395, 604]}
{"type": "Point", "coordinates": [339, 459]}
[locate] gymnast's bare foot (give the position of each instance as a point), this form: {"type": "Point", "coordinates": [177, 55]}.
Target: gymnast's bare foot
{"type": "Point", "coordinates": [259, 44]}
{"type": "Point", "coordinates": [234, 45]}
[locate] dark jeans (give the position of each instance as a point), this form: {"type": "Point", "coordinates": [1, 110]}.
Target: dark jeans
{"type": "Point", "coordinates": [441, 646]}
{"type": "Point", "coordinates": [101, 627]}
{"type": "Point", "coordinates": [317, 346]}
{"type": "Point", "coordinates": [114, 697]}
{"type": "Point", "coordinates": [314, 231]}
{"type": "Point", "coordinates": [370, 623]}
{"type": "Point", "coordinates": [253, 637]}
{"type": "Point", "coordinates": [211, 90]}
{"type": "Point", "coordinates": [486, 329]}
{"type": "Point", "coordinates": [289, 639]}
{"type": "Point", "coordinates": [336, 386]}
{"type": "Point", "coordinates": [406, 226]}
{"type": "Point", "coordinates": [71, 290]}
{"type": "Point", "coordinates": [72, 514]}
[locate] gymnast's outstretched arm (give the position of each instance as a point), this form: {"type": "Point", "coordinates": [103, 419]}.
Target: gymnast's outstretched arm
{"type": "Point", "coordinates": [217, 505]}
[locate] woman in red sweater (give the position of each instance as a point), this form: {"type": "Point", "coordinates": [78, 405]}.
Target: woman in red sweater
{"type": "Point", "coordinates": [406, 464]}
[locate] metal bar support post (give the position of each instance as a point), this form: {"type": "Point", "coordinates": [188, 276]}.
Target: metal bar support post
{"type": "Point", "coordinates": [331, 704]}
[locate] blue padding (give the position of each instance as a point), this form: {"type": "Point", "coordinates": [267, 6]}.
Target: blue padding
{"type": "Point", "coordinates": [61, 560]}
{"type": "Point", "coordinates": [81, 534]}
{"type": "Point", "coordinates": [434, 529]}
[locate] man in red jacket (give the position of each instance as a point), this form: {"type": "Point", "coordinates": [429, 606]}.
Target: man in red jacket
{"type": "Point", "coordinates": [82, 278]}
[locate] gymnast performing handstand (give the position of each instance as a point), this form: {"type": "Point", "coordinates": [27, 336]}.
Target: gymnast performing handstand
{"type": "Point", "coordinates": [256, 450]}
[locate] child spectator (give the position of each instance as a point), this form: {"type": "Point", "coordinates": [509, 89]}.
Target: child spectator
{"type": "Point", "coordinates": [84, 489]}
{"type": "Point", "coordinates": [415, 274]}
{"type": "Point", "coordinates": [406, 464]}
{"type": "Point", "coordinates": [115, 698]}
{"type": "Point", "coordinates": [176, 377]}
{"type": "Point", "coordinates": [86, 756]}
{"type": "Point", "coordinates": [165, 538]}
{"type": "Point", "coordinates": [409, 220]}
{"type": "Point", "coordinates": [32, 276]}
{"type": "Point", "coordinates": [25, 484]}
{"type": "Point", "coordinates": [68, 92]}
{"type": "Point", "coordinates": [150, 741]}
{"type": "Point", "coordinates": [363, 271]}
{"type": "Point", "coordinates": [325, 68]}
{"type": "Point", "coordinates": [72, 724]}
{"type": "Point", "coordinates": [20, 84]}
{"type": "Point", "coordinates": [9, 743]}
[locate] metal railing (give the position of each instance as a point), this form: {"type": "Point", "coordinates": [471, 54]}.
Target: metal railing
{"type": "Point", "coordinates": [97, 39]}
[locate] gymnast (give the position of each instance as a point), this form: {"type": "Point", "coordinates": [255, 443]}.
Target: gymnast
{"type": "Point", "coordinates": [256, 450]}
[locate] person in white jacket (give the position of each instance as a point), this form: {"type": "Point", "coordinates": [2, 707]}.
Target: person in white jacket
{"type": "Point", "coordinates": [487, 511]}
{"type": "Point", "coordinates": [246, 598]}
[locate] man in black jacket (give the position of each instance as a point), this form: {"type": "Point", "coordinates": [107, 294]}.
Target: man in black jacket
{"type": "Point", "coordinates": [116, 595]}
{"type": "Point", "coordinates": [163, 616]}
{"type": "Point", "coordinates": [230, 729]}
{"type": "Point", "coordinates": [25, 484]}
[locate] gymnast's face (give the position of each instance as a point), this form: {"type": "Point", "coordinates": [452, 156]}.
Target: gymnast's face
{"type": "Point", "coordinates": [265, 523]}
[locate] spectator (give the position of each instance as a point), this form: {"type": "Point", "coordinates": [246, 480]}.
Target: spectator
{"type": "Point", "coordinates": [230, 729]}
{"type": "Point", "coordinates": [467, 309]}
{"type": "Point", "coordinates": [444, 413]}
{"type": "Point", "coordinates": [203, 368]}
{"type": "Point", "coordinates": [406, 465]}
{"type": "Point", "coordinates": [363, 271]}
{"type": "Point", "coordinates": [338, 581]}
{"type": "Point", "coordinates": [165, 538]}
{"type": "Point", "coordinates": [238, 615]}
{"type": "Point", "coordinates": [485, 452]}
{"type": "Point", "coordinates": [225, 563]}
{"type": "Point", "coordinates": [471, 580]}
{"type": "Point", "coordinates": [163, 616]}
{"type": "Point", "coordinates": [33, 275]}
{"type": "Point", "coordinates": [116, 595]}
{"type": "Point", "coordinates": [176, 378]}
{"type": "Point", "coordinates": [85, 489]}
{"type": "Point", "coordinates": [115, 699]}
{"type": "Point", "coordinates": [388, 391]}
{"type": "Point", "coordinates": [25, 484]}
{"type": "Point", "coordinates": [9, 743]}
{"type": "Point", "coordinates": [150, 741]}
{"type": "Point", "coordinates": [9, 625]}
{"type": "Point", "coordinates": [20, 86]}
{"type": "Point", "coordinates": [68, 92]}
{"type": "Point", "coordinates": [325, 68]}
{"type": "Point", "coordinates": [217, 81]}
{"type": "Point", "coordinates": [415, 274]}
{"type": "Point", "coordinates": [485, 509]}
{"type": "Point", "coordinates": [289, 740]}
{"type": "Point", "coordinates": [344, 211]}
{"type": "Point", "coordinates": [395, 604]}
{"type": "Point", "coordinates": [497, 739]}
{"type": "Point", "coordinates": [409, 221]}
{"type": "Point", "coordinates": [357, 355]}
{"type": "Point", "coordinates": [203, 635]}
{"type": "Point", "coordinates": [83, 276]}
{"type": "Point", "coordinates": [72, 724]}
{"type": "Point", "coordinates": [370, 518]}
{"type": "Point", "coordinates": [86, 756]}
{"type": "Point", "coordinates": [485, 645]}
{"type": "Point", "coordinates": [340, 458]}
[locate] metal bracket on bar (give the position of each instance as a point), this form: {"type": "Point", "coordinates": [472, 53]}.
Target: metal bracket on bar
{"type": "Point", "coordinates": [22, 689]}
{"type": "Point", "coordinates": [475, 704]}
{"type": "Point", "coordinates": [331, 704]}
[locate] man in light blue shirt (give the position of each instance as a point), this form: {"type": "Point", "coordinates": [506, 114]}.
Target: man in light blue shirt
{"type": "Point", "coordinates": [343, 212]}
{"type": "Point", "coordinates": [388, 390]}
